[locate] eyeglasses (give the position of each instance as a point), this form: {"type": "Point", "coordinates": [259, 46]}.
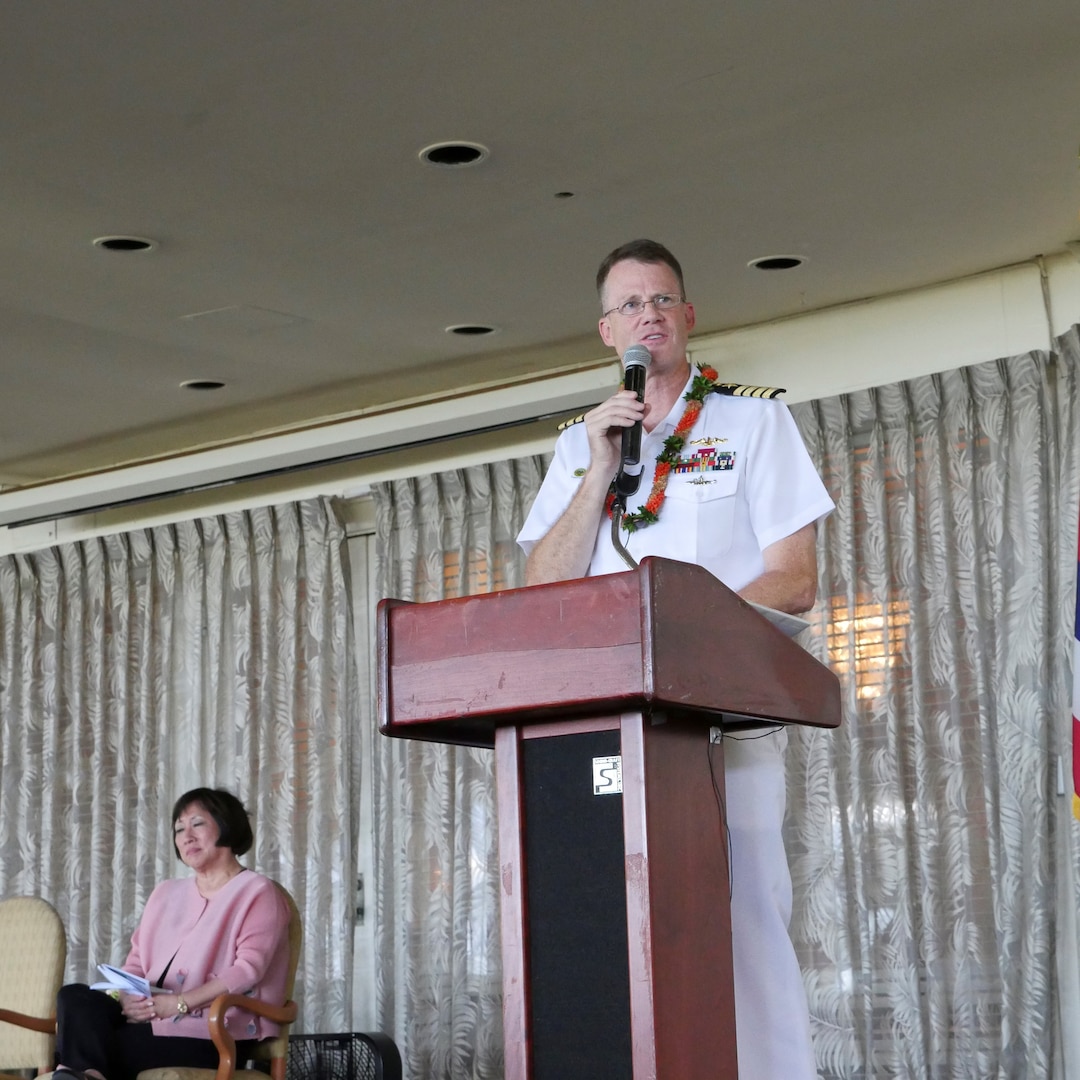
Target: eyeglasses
{"type": "Point", "coordinates": [662, 302]}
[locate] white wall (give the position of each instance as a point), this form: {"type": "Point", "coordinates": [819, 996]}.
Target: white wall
{"type": "Point", "coordinates": [879, 341]}
{"type": "Point", "coordinates": [869, 343]}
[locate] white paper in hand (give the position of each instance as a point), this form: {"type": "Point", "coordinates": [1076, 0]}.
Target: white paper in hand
{"type": "Point", "coordinates": [124, 981]}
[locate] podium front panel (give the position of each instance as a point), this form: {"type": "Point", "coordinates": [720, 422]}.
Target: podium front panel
{"type": "Point", "coordinates": [614, 906]}
{"type": "Point", "coordinates": [576, 919]}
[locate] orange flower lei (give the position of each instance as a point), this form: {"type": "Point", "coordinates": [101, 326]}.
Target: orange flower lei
{"type": "Point", "coordinates": [704, 384]}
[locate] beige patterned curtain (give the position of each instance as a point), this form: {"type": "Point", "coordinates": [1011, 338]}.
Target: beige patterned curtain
{"type": "Point", "coordinates": [934, 854]}
{"type": "Point", "coordinates": [136, 666]}
{"type": "Point", "coordinates": [437, 906]}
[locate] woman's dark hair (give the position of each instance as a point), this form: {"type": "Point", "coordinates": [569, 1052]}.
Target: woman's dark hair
{"type": "Point", "coordinates": [228, 813]}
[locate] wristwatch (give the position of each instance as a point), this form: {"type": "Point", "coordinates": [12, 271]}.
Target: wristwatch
{"type": "Point", "coordinates": [181, 1005]}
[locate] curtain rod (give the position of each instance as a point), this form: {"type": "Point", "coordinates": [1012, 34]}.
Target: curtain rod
{"type": "Point", "coordinates": [283, 470]}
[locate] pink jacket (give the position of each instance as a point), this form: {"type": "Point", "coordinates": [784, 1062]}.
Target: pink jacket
{"type": "Point", "coordinates": [239, 935]}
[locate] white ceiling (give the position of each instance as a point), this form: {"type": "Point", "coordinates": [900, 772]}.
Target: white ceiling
{"type": "Point", "coordinates": [271, 152]}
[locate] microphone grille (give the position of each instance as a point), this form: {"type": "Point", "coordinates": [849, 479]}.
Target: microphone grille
{"type": "Point", "coordinates": [636, 356]}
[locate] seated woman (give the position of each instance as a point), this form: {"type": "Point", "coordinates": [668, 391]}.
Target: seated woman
{"type": "Point", "coordinates": [225, 930]}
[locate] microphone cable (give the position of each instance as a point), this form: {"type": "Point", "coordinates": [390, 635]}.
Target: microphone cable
{"type": "Point", "coordinates": [618, 508]}
{"type": "Point", "coordinates": [721, 806]}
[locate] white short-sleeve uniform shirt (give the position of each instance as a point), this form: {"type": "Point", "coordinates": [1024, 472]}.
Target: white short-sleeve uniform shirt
{"type": "Point", "coordinates": [744, 480]}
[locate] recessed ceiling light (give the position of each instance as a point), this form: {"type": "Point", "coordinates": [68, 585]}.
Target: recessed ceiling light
{"type": "Point", "coordinates": [471, 329]}
{"type": "Point", "coordinates": [454, 155]}
{"type": "Point", "coordinates": [777, 262]}
{"type": "Point", "coordinates": [202, 384]}
{"type": "Point", "coordinates": [124, 243]}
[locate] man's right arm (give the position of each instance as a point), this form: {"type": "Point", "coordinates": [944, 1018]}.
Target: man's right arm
{"type": "Point", "coordinates": [565, 551]}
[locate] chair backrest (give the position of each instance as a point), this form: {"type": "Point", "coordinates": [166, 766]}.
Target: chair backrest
{"type": "Point", "coordinates": [296, 941]}
{"type": "Point", "coordinates": [276, 1050]}
{"type": "Point", "coordinates": [33, 951]}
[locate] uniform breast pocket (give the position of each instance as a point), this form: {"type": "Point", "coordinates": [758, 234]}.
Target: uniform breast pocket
{"type": "Point", "coordinates": [705, 504]}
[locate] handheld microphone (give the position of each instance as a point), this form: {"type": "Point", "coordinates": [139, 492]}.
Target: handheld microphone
{"type": "Point", "coordinates": [636, 360]}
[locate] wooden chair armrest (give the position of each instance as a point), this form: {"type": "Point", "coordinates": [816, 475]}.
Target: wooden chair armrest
{"type": "Point", "coordinates": [219, 1033]}
{"type": "Point", "coordinates": [44, 1024]}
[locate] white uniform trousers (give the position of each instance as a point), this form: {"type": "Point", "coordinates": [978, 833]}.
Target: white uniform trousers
{"type": "Point", "coordinates": [771, 1015]}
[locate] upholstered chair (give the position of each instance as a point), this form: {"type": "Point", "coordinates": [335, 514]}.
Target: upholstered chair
{"type": "Point", "coordinates": [33, 951]}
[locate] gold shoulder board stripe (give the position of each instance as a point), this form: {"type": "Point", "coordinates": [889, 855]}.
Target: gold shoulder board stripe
{"type": "Point", "coordinates": [729, 389]}
{"type": "Point", "coordinates": [741, 390]}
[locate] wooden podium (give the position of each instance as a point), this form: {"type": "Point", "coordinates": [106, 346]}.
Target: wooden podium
{"type": "Point", "coordinates": [604, 699]}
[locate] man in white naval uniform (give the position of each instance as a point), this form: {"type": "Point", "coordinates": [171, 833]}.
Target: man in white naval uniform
{"type": "Point", "coordinates": [748, 515]}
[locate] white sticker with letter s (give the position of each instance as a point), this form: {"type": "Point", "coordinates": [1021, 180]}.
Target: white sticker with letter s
{"type": "Point", "coordinates": [607, 775]}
